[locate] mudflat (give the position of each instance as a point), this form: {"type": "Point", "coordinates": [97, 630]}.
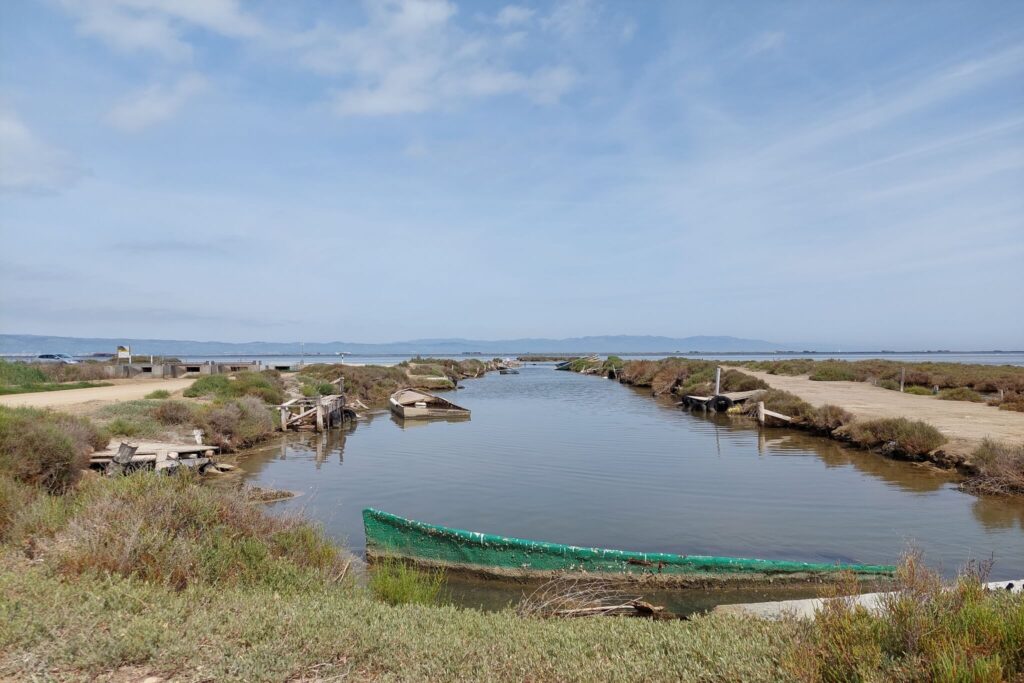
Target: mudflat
{"type": "Point", "coordinates": [122, 390]}
{"type": "Point", "coordinates": [964, 423]}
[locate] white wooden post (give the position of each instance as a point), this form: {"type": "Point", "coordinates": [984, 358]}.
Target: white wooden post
{"type": "Point", "coordinates": [718, 381]}
{"type": "Point", "coordinates": [760, 412]}
{"type": "Point", "coordinates": [903, 376]}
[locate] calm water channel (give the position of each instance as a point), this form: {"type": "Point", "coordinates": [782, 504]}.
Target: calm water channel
{"type": "Point", "coordinates": [567, 458]}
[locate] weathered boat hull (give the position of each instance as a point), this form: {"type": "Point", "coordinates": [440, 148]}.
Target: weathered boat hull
{"type": "Point", "coordinates": [391, 536]}
{"type": "Point", "coordinates": [404, 404]}
{"type": "Point", "coordinates": [413, 413]}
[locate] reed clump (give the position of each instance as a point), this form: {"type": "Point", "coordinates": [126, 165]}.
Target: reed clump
{"type": "Point", "coordinates": [397, 583]}
{"type": "Point", "coordinates": [927, 629]}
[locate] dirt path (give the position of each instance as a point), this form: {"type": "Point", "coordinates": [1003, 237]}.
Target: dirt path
{"type": "Point", "coordinates": [964, 423]}
{"type": "Point", "coordinates": [123, 390]}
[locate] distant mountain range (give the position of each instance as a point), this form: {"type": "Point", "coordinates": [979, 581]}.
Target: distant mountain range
{"type": "Point", "coordinates": [33, 344]}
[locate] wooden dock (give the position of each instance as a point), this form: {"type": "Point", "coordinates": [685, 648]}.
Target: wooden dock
{"type": "Point", "coordinates": [154, 454]}
{"type": "Point", "coordinates": [318, 413]}
{"type": "Point", "coordinates": [719, 402]}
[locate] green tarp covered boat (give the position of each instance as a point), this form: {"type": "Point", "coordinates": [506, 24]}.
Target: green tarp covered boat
{"type": "Point", "coordinates": [390, 536]}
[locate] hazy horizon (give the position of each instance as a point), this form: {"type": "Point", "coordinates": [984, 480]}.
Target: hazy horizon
{"type": "Point", "coordinates": [822, 174]}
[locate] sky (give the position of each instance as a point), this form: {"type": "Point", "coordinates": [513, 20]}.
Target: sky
{"type": "Point", "coordinates": [840, 173]}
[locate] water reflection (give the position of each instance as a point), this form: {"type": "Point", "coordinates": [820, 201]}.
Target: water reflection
{"type": "Point", "coordinates": [571, 459]}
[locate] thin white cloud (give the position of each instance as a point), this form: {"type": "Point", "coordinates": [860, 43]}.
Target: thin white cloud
{"type": "Point", "coordinates": [410, 57]}
{"type": "Point", "coordinates": [569, 18]}
{"type": "Point", "coordinates": [513, 15]}
{"type": "Point", "coordinates": [158, 26]}
{"type": "Point", "coordinates": [156, 103]}
{"type": "Point", "coordinates": [27, 164]}
{"type": "Point", "coordinates": [768, 41]}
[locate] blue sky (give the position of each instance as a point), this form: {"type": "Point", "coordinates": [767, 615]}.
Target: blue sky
{"type": "Point", "coordinates": [809, 172]}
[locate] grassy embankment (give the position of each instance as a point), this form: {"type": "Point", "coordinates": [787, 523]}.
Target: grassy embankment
{"type": "Point", "coordinates": [994, 468]}
{"type": "Point", "coordinates": [232, 411]}
{"type": "Point", "coordinates": [997, 385]}
{"type": "Point", "coordinates": [160, 575]}
{"type": "Point", "coordinates": [373, 384]}
{"type": "Point", "coordinates": [24, 378]}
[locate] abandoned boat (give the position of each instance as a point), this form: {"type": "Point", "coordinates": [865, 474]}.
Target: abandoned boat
{"type": "Point", "coordinates": [411, 404]}
{"type": "Point", "coordinates": [508, 371]}
{"type": "Point", "coordinates": [390, 536]}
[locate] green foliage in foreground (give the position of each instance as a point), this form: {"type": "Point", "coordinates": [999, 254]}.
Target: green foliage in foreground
{"type": "Point", "coordinates": [254, 633]}
{"type": "Point", "coordinates": [397, 583]}
{"type": "Point", "coordinates": [20, 373]}
{"type": "Point", "coordinates": [927, 630]}
{"type": "Point", "coordinates": [158, 394]}
{"type": "Point", "coordinates": [49, 386]}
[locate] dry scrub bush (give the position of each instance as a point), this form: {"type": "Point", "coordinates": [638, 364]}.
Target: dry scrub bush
{"type": "Point", "coordinates": [567, 595]}
{"type": "Point", "coordinates": [828, 418]}
{"type": "Point", "coordinates": [961, 394]}
{"type": "Point", "coordinates": [173, 413]}
{"type": "Point", "coordinates": [781, 402]}
{"type": "Point", "coordinates": [46, 449]}
{"type": "Point", "coordinates": [171, 531]}
{"type": "Point", "coordinates": [897, 435]}
{"type": "Point", "coordinates": [1000, 469]}
{"type": "Point", "coordinates": [925, 630]}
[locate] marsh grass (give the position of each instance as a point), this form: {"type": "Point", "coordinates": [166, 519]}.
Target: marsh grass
{"type": "Point", "coordinates": [398, 583]}
{"type": "Point", "coordinates": [898, 435]}
{"type": "Point", "coordinates": [159, 394]}
{"type": "Point", "coordinates": [927, 629]}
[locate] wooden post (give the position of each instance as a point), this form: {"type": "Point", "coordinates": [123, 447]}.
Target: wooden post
{"type": "Point", "coordinates": [284, 419]}
{"type": "Point", "coordinates": [903, 377]}
{"type": "Point", "coordinates": [319, 416]}
{"type": "Point", "coordinates": [718, 381]}
{"type": "Point", "coordinates": [760, 412]}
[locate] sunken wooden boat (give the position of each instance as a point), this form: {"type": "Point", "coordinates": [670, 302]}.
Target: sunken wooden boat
{"type": "Point", "coordinates": [413, 404]}
{"type": "Point", "coordinates": [392, 537]}
{"type": "Point", "coordinates": [508, 371]}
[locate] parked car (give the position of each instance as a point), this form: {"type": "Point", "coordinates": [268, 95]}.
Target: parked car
{"type": "Point", "coordinates": [61, 358]}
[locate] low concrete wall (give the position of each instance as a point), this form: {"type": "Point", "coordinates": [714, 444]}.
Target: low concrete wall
{"type": "Point", "coordinates": [174, 370]}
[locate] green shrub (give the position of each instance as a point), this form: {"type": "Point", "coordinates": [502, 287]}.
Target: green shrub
{"type": "Point", "coordinates": [132, 419]}
{"type": "Point", "coordinates": [918, 390]}
{"type": "Point", "coordinates": [397, 583]}
{"type": "Point", "coordinates": [911, 437]}
{"type": "Point", "coordinates": [734, 380]}
{"type": "Point", "coordinates": [926, 630]}
{"type": "Point", "coordinates": [371, 384]}
{"type": "Point", "coordinates": [783, 402]}
{"type": "Point", "coordinates": [890, 384]}
{"type": "Point", "coordinates": [236, 424]}
{"type": "Point", "coordinates": [20, 373]}
{"type": "Point", "coordinates": [266, 385]}
{"type": "Point", "coordinates": [961, 394]}
{"type": "Point", "coordinates": [46, 449]}
{"type": "Point", "coordinates": [835, 371]}
{"type": "Point", "coordinates": [319, 389]}
{"type": "Point", "coordinates": [158, 394]}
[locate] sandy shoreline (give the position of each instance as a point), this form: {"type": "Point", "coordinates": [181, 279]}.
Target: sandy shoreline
{"type": "Point", "coordinates": [123, 390]}
{"type": "Point", "coordinates": [965, 424]}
